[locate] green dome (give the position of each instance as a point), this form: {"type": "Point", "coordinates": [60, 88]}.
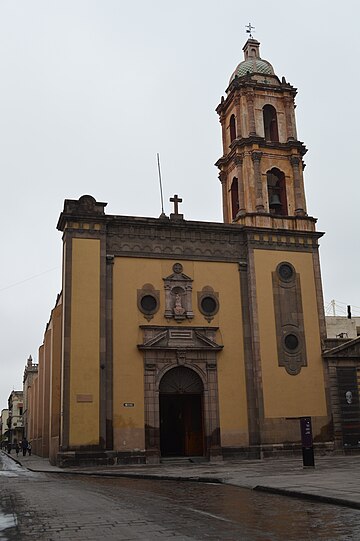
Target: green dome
{"type": "Point", "coordinates": [253, 65]}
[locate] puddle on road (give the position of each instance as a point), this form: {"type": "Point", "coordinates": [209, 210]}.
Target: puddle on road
{"type": "Point", "coordinates": [7, 524]}
{"type": "Point", "coordinates": [10, 468]}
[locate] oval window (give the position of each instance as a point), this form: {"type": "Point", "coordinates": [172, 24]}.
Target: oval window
{"type": "Point", "coordinates": [291, 342]}
{"type": "Point", "coordinates": [208, 305]}
{"type": "Point", "coordinates": [286, 271]}
{"type": "Point", "coordinates": [148, 303]}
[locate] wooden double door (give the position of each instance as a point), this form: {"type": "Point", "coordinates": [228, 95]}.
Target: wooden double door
{"type": "Point", "coordinates": [181, 424]}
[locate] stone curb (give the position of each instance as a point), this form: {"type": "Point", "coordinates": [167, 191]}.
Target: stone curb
{"type": "Point", "coordinates": [201, 479]}
{"type": "Point", "coordinates": [14, 459]}
{"type": "Point", "coordinates": [217, 480]}
{"type": "Point", "coordinates": [307, 496]}
{"type": "Point", "coordinates": [160, 477]}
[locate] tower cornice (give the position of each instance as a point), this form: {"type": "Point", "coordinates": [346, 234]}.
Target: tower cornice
{"type": "Point", "coordinates": [243, 85]}
{"type": "Point", "coordinates": [248, 144]}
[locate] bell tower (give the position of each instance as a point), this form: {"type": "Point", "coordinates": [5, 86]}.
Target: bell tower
{"type": "Point", "coordinates": [261, 170]}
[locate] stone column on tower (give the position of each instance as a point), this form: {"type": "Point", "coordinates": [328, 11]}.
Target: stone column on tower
{"type": "Point", "coordinates": [239, 174]}
{"type": "Point", "coordinates": [298, 187]}
{"type": "Point", "coordinates": [256, 158]}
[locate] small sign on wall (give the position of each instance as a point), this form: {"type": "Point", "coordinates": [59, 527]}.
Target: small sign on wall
{"type": "Point", "coordinates": [84, 398]}
{"type": "Point", "coordinates": [129, 404]}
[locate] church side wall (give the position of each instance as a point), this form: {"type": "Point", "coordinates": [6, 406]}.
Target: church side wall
{"type": "Point", "coordinates": [45, 406]}
{"type": "Point", "coordinates": [54, 429]}
{"type": "Point", "coordinates": [130, 275]}
{"type": "Point", "coordinates": [85, 343]}
{"type": "Point", "coordinates": [39, 403]}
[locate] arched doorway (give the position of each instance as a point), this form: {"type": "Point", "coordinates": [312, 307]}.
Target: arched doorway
{"type": "Point", "coordinates": [181, 413]}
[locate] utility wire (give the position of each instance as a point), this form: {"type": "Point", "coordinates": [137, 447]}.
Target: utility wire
{"type": "Point", "coordinates": [29, 278]}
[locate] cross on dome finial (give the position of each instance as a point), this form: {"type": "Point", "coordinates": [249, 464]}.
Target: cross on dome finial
{"type": "Point", "coordinates": [249, 29]}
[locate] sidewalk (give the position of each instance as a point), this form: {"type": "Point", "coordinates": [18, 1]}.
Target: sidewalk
{"type": "Point", "coordinates": [335, 479]}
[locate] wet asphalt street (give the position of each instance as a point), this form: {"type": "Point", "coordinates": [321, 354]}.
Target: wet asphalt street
{"type": "Point", "coordinates": [57, 506]}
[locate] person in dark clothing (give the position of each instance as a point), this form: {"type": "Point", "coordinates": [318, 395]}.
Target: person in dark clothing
{"type": "Point", "coordinates": [24, 446]}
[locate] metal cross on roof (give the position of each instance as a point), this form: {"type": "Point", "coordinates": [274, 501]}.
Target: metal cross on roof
{"type": "Point", "coordinates": [176, 200]}
{"type": "Point", "coordinates": [249, 28]}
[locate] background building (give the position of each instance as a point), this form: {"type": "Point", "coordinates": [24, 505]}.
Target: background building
{"type": "Point", "coordinates": [4, 429]}
{"type": "Point", "coordinates": [342, 327]}
{"type": "Point", "coordinates": [15, 420]}
{"type": "Point", "coordinates": [30, 373]}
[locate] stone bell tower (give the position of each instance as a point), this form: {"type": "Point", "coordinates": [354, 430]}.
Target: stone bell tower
{"type": "Point", "coordinates": [261, 170]}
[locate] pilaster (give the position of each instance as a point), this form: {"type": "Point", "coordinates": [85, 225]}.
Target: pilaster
{"type": "Point", "coordinates": [256, 158]}
{"type": "Point", "coordinates": [298, 187]}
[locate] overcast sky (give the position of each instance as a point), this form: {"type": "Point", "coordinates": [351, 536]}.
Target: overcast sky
{"type": "Point", "coordinates": [91, 90]}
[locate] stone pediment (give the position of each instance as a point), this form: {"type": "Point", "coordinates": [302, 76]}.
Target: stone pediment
{"type": "Point", "coordinates": [349, 350]}
{"type": "Point", "coordinates": [179, 277]}
{"type": "Point", "coordinates": [180, 338]}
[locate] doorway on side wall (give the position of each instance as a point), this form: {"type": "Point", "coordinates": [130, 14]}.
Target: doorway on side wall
{"type": "Point", "coordinates": [181, 413]}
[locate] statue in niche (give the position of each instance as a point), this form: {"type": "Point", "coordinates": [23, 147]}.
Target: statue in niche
{"type": "Point", "coordinates": [178, 291]}
{"type": "Point", "coordinates": [178, 309]}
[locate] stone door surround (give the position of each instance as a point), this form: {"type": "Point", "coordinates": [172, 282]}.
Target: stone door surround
{"type": "Point", "coordinates": [165, 348]}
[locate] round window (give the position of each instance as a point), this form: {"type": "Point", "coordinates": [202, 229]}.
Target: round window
{"type": "Point", "coordinates": [286, 271]}
{"type": "Point", "coordinates": [291, 342]}
{"type": "Point", "coordinates": [208, 305]}
{"type": "Point", "coordinates": [148, 303]}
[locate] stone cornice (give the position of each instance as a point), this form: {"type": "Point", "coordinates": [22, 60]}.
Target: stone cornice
{"type": "Point", "coordinates": [260, 142]}
{"type": "Point", "coordinates": [161, 238]}
{"type": "Point", "coordinates": [241, 85]}
{"type": "Point", "coordinates": [149, 237]}
{"type": "Point", "coordinates": [282, 240]}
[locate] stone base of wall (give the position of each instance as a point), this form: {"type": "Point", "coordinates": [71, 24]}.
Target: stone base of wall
{"type": "Point", "coordinates": [274, 450]}
{"type": "Point", "coordinates": [130, 457]}
{"type": "Point", "coordinates": [68, 459]}
{"type": "Point", "coordinates": [82, 458]}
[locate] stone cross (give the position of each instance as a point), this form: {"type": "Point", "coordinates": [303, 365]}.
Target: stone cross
{"type": "Point", "coordinates": [176, 200]}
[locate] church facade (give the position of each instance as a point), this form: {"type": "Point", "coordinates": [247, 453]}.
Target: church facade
{"type": "Point", "coordinates": [193, 339]}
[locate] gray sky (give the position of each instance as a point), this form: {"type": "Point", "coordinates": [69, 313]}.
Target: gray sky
{"type": "Point", "coordinates": [91, 90]}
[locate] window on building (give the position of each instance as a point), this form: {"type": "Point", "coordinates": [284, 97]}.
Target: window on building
{"type": "Point", "coordinates": [276, 192]}
{"type": "Point", "coordinates": [234, 197]}
{"type": "Point", "coordinates": [270, 123]}
{"type": "Point", "coordinates": [232, 128]}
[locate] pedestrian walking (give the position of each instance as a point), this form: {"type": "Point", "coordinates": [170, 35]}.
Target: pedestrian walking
{"type": "Point", "coordinates": [29, 448]}
{"type": "Point", "coordinates": [24, 446]}
{"type": "Point", "coordinates": [17, 448]}
{"type": "Point", "coordinates": [9, 448]}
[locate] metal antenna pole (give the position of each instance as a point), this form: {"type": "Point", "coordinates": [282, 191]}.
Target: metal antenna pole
{"type": "Point", "coordinates": [161, 190]}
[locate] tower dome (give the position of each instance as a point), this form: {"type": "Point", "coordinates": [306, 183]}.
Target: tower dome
{"type": "Point", "coordinates": [252, 62]}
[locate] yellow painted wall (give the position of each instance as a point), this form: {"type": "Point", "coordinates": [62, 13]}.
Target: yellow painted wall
{"type": "Point", "coordinates": [85, 342]}
{"type": "Point", "coordinates": [130, 274]}
{"type": "Point", "coordinates": [286, 395]}
{"type": "Point", "coordinates": [55, 384]}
